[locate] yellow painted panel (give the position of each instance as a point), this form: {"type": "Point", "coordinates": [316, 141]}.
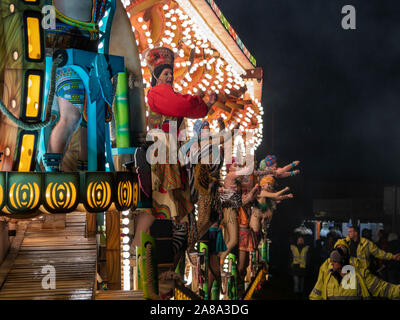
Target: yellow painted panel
{"type": "Point", "coordinates": [34, 45]}
{"type": "Point", "coordinates": [32, 99]}
{"type": "Point", "coordinates": [26, 152]}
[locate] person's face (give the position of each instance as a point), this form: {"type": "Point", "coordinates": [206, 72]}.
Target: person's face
{"type": "Point", "coordinates": [336, 266]}
{"type": "Point", "coordinates": [166, 77]}
{"type": "Point", "coordinates": [352, 234]}
{"type": "Point", "coordinates": [300, 241]}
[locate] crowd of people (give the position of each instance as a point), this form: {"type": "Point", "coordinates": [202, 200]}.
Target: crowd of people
{"type": "Point", "coordinates": [375, 267]}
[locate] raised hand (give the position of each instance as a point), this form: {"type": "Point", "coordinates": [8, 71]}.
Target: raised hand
{"type": "Point", "coordinates": [284, 172]}
{"type": "Point", "coordinates": [277, 196]}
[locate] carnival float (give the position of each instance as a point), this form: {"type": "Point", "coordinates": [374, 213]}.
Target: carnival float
{"type": "Point", "coordinates": [100, 170]}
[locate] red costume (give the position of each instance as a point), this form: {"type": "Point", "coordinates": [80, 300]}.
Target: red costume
{"type": "Point", "coordinates": [162, 99]}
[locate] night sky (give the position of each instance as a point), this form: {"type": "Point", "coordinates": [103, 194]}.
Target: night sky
{"type": "Point", "coordinates": [331, 96]}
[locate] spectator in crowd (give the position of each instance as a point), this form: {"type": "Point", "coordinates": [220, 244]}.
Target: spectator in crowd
{"type": "Point", "coordinates": [300, 264]}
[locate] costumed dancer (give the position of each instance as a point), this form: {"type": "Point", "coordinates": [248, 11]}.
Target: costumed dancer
{"type": "Point", "coordinates": [264, 206]}
{"type": "Point", "coordinates": [206, 161]}
{"type": "Point", "coordinates": [267, 201]}
{"type": "Point", "coordinates": [247, 240]}
{"type": "Point", "coordinates": [230, 197]}
{"type": "Point", "coordinates": [270, 162]}
{"type": "Point", "coordinates": [170, 191]}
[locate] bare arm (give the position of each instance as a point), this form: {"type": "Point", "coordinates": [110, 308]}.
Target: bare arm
{"type": "Point", "coordinates": [276, 195]}
{"type": "Point", "coordinates": [284, 172]}
{"type": "Point", "coordinates": [250, 196]}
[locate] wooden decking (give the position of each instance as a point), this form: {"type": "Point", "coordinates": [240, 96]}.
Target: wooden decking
{"type": "Point", "coordinates": [119, 295]}
{"type": "Point", "coordinates": [71, 254]}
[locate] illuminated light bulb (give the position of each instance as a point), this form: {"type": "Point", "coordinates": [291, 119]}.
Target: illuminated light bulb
{"type": "Point", "coordinates": [173, 19]}
{"type": "Point", "coordinates": [125, 239]}
{"type": "Point", "coordinates": [151, 46]}
{"type": "Point", "coordinates": [125, 221]}
{"type": "Point", "coordinates": [168, 24]}
{"type": "Point", "coordinates": [140, 19]}
{"type": "Point", "coordinates": [172, 11]}
{"type": "Point", "coordinates": [172, 35]}
{"type": "Point", "coordinates": [126, 262]}
{"type": "Point", "coordinates": [173, 27]}
{"type": "Point", "coordinates": [177, 64]}
{"type": "Point", "coordinates": [144, 27]}
{"type": "Point", "coordinates": [126, 255]}
{"type": "Point", "coordinates": [165, 7]}
{"type": "Point", "coordinates": [125, 247]}
{"type": "Point", "coordinates": [125, 230]}
{"type": "Point", "coordinates": [149, 40]}
{"type": "Point", "coordinates": [147, 33]}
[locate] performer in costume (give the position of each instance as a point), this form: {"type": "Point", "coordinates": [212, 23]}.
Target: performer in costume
{"type": "Point", "coordinates": [171, 195]}
{"type": "Point", "coordinates": [206, 161]}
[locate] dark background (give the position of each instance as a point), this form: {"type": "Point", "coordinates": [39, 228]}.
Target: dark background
{"type": "Point", "coordinates": [330, 96]}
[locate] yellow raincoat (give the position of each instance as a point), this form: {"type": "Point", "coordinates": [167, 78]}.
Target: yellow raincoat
{"type": "Point", "coordinates": [366, 248]}
{"type": "Point", "coordinates": [367, 285]}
